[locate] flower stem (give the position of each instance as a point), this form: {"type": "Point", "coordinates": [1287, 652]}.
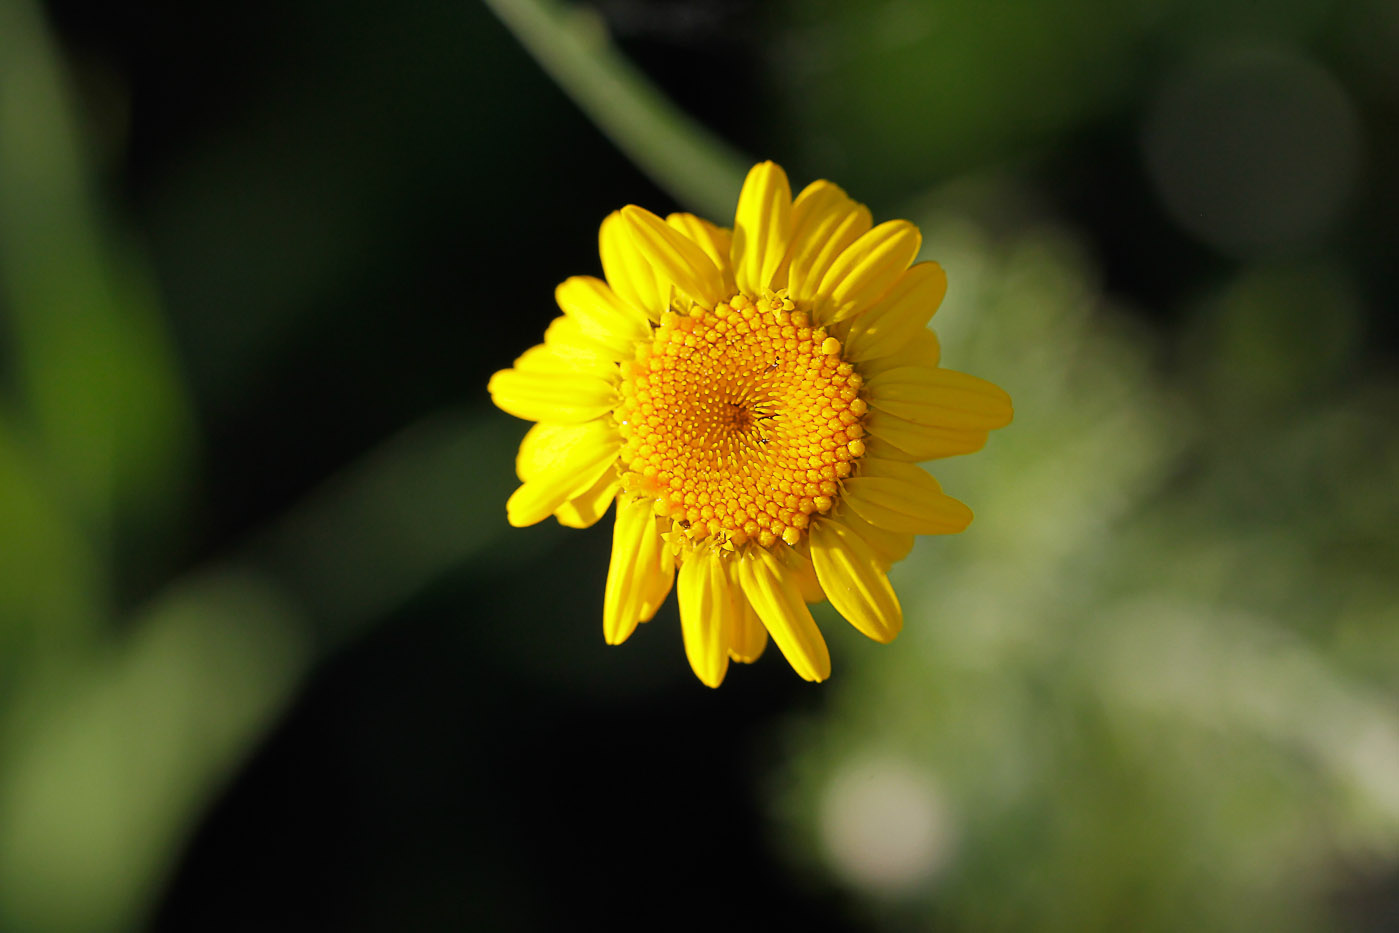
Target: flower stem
{"type": "Point", "coordinates": [678, 154]}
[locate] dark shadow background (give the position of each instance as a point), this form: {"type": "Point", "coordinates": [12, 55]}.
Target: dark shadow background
{"type": "Point", "coordinates": [357, 213]}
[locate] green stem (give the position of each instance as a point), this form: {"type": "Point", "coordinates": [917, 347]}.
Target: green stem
{"type": "Point", "coordinates": [695, 166]}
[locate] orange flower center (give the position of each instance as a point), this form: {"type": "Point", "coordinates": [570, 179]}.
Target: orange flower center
{"type": "Point", "coordinates": [740, 421]}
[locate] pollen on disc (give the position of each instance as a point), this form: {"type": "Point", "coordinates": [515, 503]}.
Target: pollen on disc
{"type": "Point", "coordinates": [740, 421]}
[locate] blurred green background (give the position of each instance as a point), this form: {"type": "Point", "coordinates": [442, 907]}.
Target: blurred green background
{"type": "Point", "coordinates": [271, 658]}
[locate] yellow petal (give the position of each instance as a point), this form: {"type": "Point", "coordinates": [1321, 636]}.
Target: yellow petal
{"type": "Point", "coordinates": [706, 615]}
{"type": "Point", "coordinates": [922, 441]}
{"type": "Point", "coordinates": [675, 257]}
{"type": "Point", "coordinates": [542, 358]}
{"type": "Point", "coordinates": [627, 270]}
{"type": "Point", "coordinates": [940, 397]}
{"type": "Point", "coordinates": [572, 351]}
{"type": "Point", "coordinates": [584, 511]}
{"type": "Point", "coordinates": [866, 269]}
{"type": "Point", "coordinates": [798, 564]}
{"type": "Point", "coordinates": [893, 321]}
{"type": "Point", "coordinates": [543, 446]}
{"type": "Point", "coordinates": [922, 349]}
{"type": "Point", "coordinates": [890, 546]}
{"type": "Point", "coordinates": [600, 314]}
{"type": "Point", "coordinates": [639, 574]}
{"type": "Point", "coordinates": [551, 396]}
{"type": "Point", "coordinates": [905, 498]}
{"type": "Point", "coordinates": [854, 581]}
{"type": "Point", "coordinates": [748, 638]}
{"type": "Point", "coordinates": [570, 470]}
{"type": "Point", "coordinates": [774, 596]}
{"type": "Point", "coordinates": [824, 222]}
{"type": "Point", "coordinates": [762, 227]}
{"type": "Point", "coordinates": [716, 241]}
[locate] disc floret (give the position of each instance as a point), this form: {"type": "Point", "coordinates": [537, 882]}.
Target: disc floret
{"type": "Point", "coordinates": [740, 421]}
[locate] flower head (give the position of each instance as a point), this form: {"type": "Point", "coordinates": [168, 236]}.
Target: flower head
{"type": "Point", "coordinates": [756, 402]}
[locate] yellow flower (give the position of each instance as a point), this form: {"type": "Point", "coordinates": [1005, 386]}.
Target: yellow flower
{"type": "Point", "coordinates": [756, 402]}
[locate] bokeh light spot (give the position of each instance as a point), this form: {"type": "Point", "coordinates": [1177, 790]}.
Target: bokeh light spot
{"type": "Point", "coordinates": [1253, 152]}
{"type": "Point", "coordinates": [884, 826]}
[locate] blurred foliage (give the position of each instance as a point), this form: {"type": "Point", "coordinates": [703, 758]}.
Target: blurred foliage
{"type": "Point", "coordinates": [1153, 687]}
{"type": "Point", "coordinates": [117, 727]}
